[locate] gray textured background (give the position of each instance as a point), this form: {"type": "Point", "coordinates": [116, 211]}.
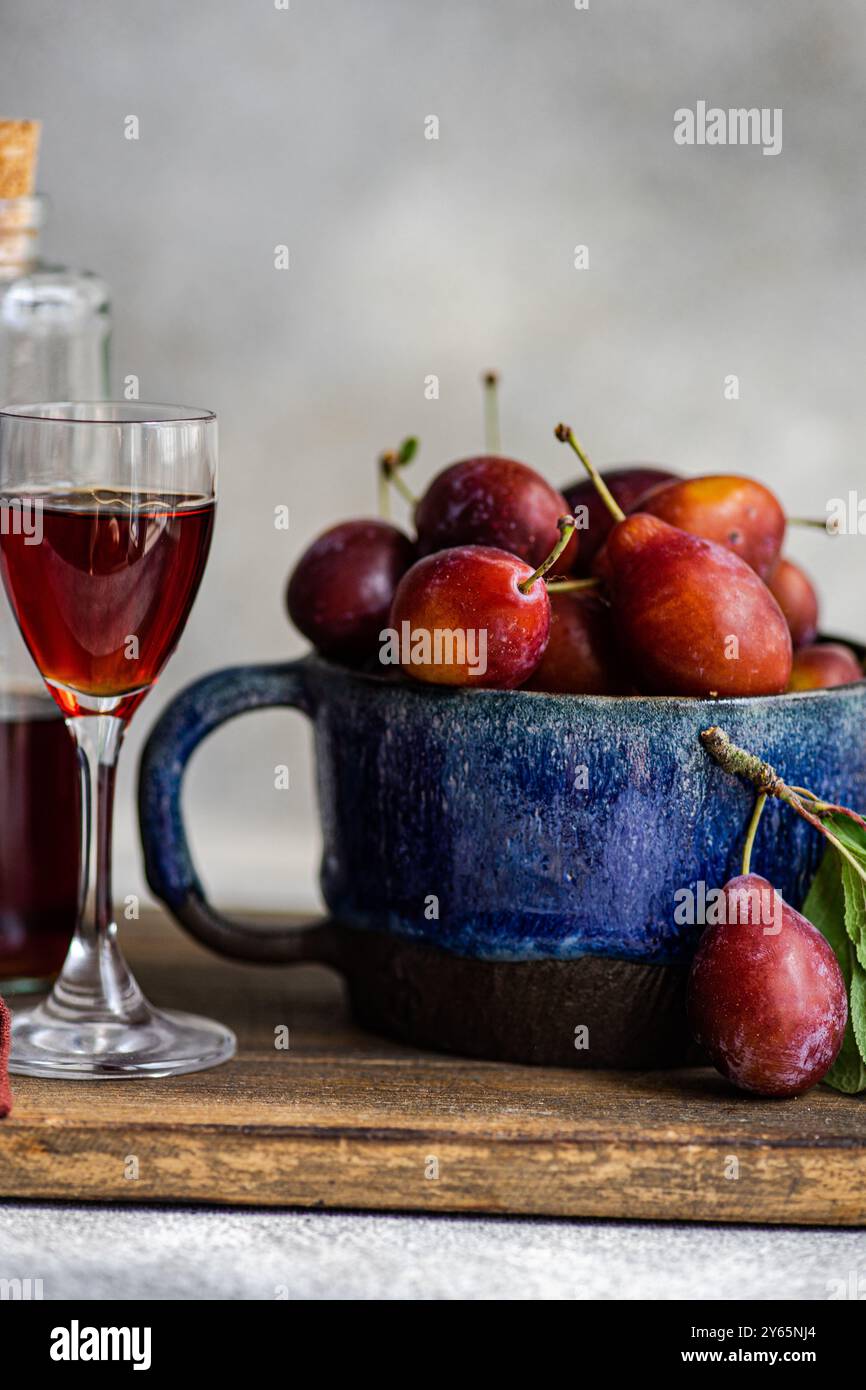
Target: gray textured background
{"type": "Point", "coordinates": [410, 257]}
{"type": "Point", "coordinates": [164, 1253]}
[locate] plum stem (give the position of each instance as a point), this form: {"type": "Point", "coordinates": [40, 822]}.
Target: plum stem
{"type": "Point", "coordinates": [741, 763]}
{"type": "Point", "coordinates": [384, 487]}
{"type": "Point", "coordinates": [815, 523]}
{"type": "Point", "coordinates": [804, 791]}
{"type": "Point", "coordinates": [565, 435]}
{"type": "Point", "coordinates": [566, 531]}
{"type": "Point", "coordinates": [390, 464]}
{"type": "Point", "coordinates": [491, 412]}
{"type": "Point", "coordinates": [558, 585]}
{"type": "Point", "coordinates": [828, 808]}
{"type": "Point", "coordinates": [760, 803]}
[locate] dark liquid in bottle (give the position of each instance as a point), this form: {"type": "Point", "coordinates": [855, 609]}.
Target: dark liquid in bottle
{"type": "Point", "coordinates": [39, 837]}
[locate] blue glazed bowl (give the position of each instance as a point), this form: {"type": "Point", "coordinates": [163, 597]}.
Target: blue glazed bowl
{"type": "Point", "coordinates": [507, 828]}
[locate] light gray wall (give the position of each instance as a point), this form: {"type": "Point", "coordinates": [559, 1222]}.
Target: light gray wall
{"type": "Point", "coordinates": [410, 256]}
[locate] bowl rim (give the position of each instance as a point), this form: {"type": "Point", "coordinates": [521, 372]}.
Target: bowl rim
{"type": "Point", "coordinates": [786, 697]}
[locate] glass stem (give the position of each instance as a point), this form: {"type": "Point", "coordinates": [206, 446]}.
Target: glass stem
{"type": "Point", "coordinates": [95, 979]}
{"type": "Point", "coordinates": [97, 743]}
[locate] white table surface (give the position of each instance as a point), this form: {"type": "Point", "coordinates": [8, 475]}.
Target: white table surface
{"type": "Point", "coordinates": [137, 1252]}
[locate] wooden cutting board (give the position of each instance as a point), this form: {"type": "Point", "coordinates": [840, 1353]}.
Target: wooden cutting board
{"type": "Point", "coordinates": [346, 1119]}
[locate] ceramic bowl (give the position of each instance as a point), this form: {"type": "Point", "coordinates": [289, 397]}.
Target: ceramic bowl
{"type": "Point", "coordinates": [504, 869]}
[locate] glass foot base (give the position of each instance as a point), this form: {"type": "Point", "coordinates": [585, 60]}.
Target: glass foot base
{"type": "Point", "coordinates": [156, 1043]}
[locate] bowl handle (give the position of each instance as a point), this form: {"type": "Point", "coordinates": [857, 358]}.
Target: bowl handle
{"type": "Point", "coordinates": [191, 716]}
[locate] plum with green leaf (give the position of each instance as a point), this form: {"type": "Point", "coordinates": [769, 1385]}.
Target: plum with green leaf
{"type": "Point", "coordinates": [766, 997]}
{"type": "Point", "coordinates": [778, 997]}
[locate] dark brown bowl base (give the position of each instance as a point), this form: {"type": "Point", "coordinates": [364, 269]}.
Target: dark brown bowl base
{"type": "Point", "coordinates": [589, 1012]}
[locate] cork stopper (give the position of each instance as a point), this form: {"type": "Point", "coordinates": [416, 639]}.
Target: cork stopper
{"type": "Point", "coordinates": [19, 147]}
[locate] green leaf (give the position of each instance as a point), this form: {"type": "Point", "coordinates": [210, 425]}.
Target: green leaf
{"type": "Point", "coordinates": [826, 908]}
{"type": "Point", "coordinates": [855, 910]}
{"type": "Point", "coordinates": [407, 451]}
{"type": "Point", "coordinates": [857, 1008]}
{"type": "Point", "coordinates": [853, 837]}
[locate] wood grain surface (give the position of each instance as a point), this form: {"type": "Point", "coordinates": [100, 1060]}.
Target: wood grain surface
{"type": "Point", "coordinates": [346, 1119]}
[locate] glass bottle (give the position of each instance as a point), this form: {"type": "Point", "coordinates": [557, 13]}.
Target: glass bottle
{"type": "Point", "coordinates": [55, 322]}
{"type": "Point", "coordinates": [54, 342]}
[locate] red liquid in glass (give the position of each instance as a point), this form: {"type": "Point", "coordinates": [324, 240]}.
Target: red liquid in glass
{"type": "Point", "coordinates": [103, 598]}
{"type": "Point", "coordinates": [39, 837]}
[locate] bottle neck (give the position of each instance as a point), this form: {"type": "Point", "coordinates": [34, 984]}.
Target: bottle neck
{"type": "Point", "coordinates": [21, 220]}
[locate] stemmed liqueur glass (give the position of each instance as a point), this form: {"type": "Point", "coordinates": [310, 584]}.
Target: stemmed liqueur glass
{"type": "Point", "coordinates": [106, 516]}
